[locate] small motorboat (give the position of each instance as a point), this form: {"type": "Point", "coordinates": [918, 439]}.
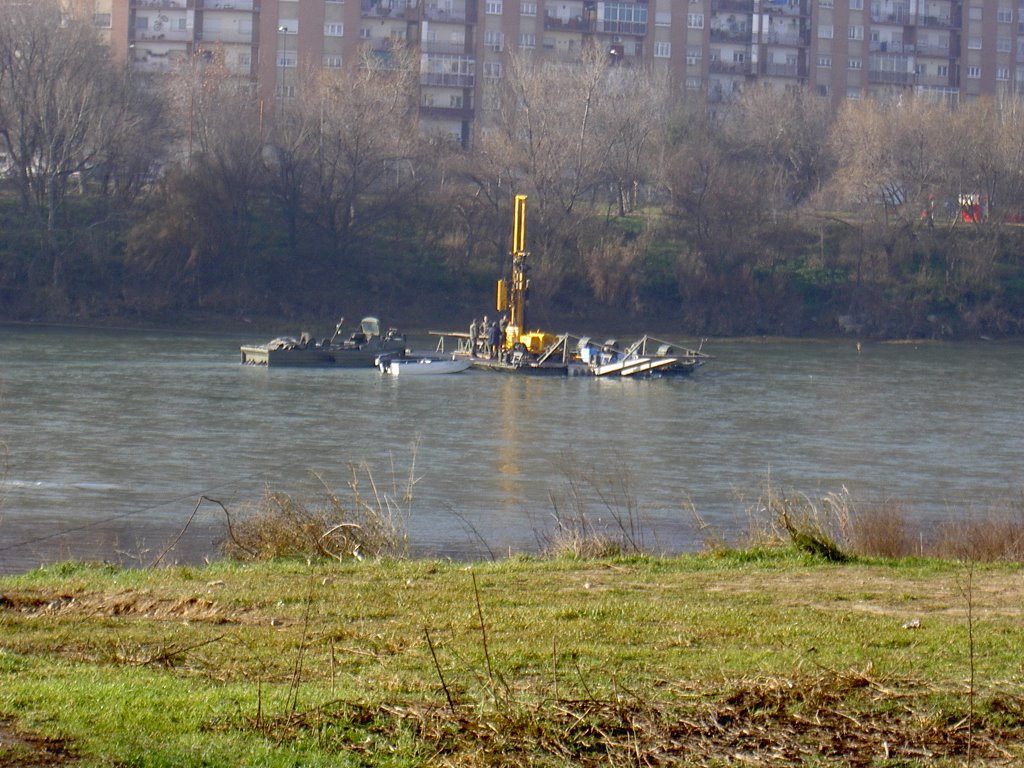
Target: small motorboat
{"type": "Point", "coordinates": [422, 365]}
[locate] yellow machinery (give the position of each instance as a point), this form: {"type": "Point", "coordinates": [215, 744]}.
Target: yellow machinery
{"type": "Point", "coordinates": [512, 292]}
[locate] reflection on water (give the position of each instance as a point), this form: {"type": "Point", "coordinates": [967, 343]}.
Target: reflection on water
{"type": "Point", "coordinates": [112, 437]}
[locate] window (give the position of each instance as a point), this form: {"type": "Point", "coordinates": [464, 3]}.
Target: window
{"type": "Point", "coordinates": [286, 58]}
{"type": "Point", "coordinates": [334, 30]}
{"type": "Point", "coordinates": [855, 32]}
{"type": "Point", "coordinates": [695, 20]}
{"type": "Point", "coordinates": [494, 41]}
{"type": "Point", "coordinates": [738, 57]}
{"type": "Point", "coordinates": [942, 70]}
{"type": "Point", "coordinates": [823, 90]}
{"type": "Point", "coordinates": [663, 19]}
{"type": "Point", "coordinates": [694, 53]}
{"type": "Point", "coordinates": [285, 92]}
{"type": "Point", "coordinates": [856, 5]}
{"type": "Point", "coordinates": [1002, 73]}
{"type": "Point", "coordinates": [493, 7]}
{"type": "Point", "coordinates": [455, 101]}
{"type": "Point", "coordinates": [623, 17]}
{"type": "Point", "coordinates": [825, 4]}
{"type": "Point", "coordinates": [974, 13]}
{"type": "Point", "coordinates": [244, 59]}
{"type": "Point", "coordinates": [492, 70]}
{"type": "Point", "coordinates": [1004, 45]}
{"type": "Point", "coordinates": [974, 73]}
{"type": "Point", "coordinates": [101, 20]}
{"type": "Point", "coordinates": [853, 93]}
{"type": "Point", "coordinates": [284, 26]}
{"type": "Point", "coordinates": [693, 83]}
{"type": "Point", "coordinates": [528, 9]}
{"type": "Point", "coordinates": [1004, 15]}
{"type": "Point", "coordinates": [364, 33]}
{"type": "Point", "coordinates": [825, 62]}
{"type": "Point", "coordinates": [855, 64]}
{"type": "Point", "coordinates": [142, 22]}
{"type": "Point", "coordinates": [527, 40]}
{"type": "Point", "coordinates": [662, 50]}
{"type": "Point", "coordinates": [974, 43]}
{"type": "Point", "coordinates": [332, 62]}
{"type": "Point", "coordinates": [825, 31]}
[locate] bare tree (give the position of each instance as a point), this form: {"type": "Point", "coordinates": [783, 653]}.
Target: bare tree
{"type": "Point", "coordinates": [892, 155]}
{"type": "Point", "coordinates": [546, 137]}
{"type": "Point", "coordinates": [213, 193]}
{"type": "Point", "coordinates": [786, 136]}
{"type": "Point", "coordinates": [63, 112]}
{"type": "Point", "coordinates": [635, 106]}
{"type": "Point", "coordinates": [362, 141]}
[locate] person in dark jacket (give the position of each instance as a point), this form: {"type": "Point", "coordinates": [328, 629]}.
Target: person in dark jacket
{"type": "Point", "coordinates": [494, 340]}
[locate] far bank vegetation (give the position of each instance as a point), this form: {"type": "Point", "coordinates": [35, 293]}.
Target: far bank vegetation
{"type": "Point", "coordinates": [182, 194]}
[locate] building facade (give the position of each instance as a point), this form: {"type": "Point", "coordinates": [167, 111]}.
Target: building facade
{"type": "Point", "coordinates": [710, 49]}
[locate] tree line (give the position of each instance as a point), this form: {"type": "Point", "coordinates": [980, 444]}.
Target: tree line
{"type": "Point", "coordinates": [130, 195]}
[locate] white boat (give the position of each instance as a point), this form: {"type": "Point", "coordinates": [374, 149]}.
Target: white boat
{"type": "Point", "coordinates": [422, 366]}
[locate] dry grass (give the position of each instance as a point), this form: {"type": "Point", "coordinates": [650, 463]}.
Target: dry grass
{"type": "Point", "coordinates": [365, 521]}
{"type": "Point", "coordinates": [993, 535]}
{"type": "Point", "coordinates": [594, 515]}
{"type": "Point", "coordinates": [835, 526]}
{"type": "Point", "coordinates": [817, 719]}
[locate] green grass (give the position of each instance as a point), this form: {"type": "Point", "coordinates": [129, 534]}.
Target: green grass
{"type": "Point", "coordinates": [550, 662]}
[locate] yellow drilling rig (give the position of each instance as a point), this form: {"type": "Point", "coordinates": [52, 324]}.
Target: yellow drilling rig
{"type": "Point", "coordinates": [512, 292]}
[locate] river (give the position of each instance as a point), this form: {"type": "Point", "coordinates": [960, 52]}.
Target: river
{"type": "Point", "coordinates": [113, 436]}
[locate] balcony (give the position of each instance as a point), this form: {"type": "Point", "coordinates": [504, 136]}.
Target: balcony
{"type": "Point", "coordinates": [785, 69]}
{"type": "Point", "coordinates": [376, 9]}
{"type": "Point", "coordinates": [939, 22]}
{"type": "Point", "coordinates": [226, 36]}
{"type": "Point", "coordinates": [573, 24]}
{"type": "Point", "coordinates": [896, 14]}
{"type": "Point", "coordinates": [180, 5]}
{"type": "Point", "coordinates": [932, 81]}
{"type": "Point", "coordinates": [890, 78]}
{"type": "Point", "coordinates": [793, 8]}
{"type": "Point", "coordinates": [790, 39]}
{"type": "Point", "coordinates": [890, 46]}
{"type": "Point", "coordinates": [447, 79]}
{"type": "Point", "coordinates": [450, 49]}
{"type": "Point", "coordinates": [441, 15]}
{"type": "Point", "coordinates": [730, 68]}
{"type": "Point", "coordinates": [933, 49]}
{"type": "Point", "coordinates": [732, 6]}
{"type": "Point", "coordinates": [163, 35]}
{"type": "Point", "coordinates": [622, 27]}
{"type": "Point", "coordinates": [247, 6]}
{"type": "Point", "coordinates": [446, 113]}
{"type": "Point", "coordinates": [730, 35]}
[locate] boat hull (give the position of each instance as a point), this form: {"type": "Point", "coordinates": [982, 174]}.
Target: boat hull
{"type": "Point", "coordinates": [319, 357]}
{"type": "Point", "coordinates": [423, 366]}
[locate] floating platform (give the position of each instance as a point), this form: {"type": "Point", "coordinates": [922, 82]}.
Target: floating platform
{"type": "Point", "coordinates": [579, 356]}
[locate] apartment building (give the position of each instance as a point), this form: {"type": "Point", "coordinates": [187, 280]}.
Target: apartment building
{"type": "Point", "coordinates": [710, 49]}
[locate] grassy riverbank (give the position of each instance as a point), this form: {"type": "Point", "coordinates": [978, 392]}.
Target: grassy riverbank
{"type": "Point", "coordinates": [772, 659]}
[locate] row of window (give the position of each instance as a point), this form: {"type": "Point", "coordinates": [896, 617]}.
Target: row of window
{"type": "Point", "coordinates": [974, 12]}
{"type": "Point", "coordinates": [941, 70]}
